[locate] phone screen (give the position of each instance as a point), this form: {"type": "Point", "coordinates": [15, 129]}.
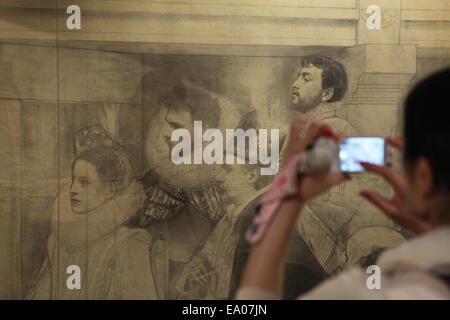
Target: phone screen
{"type": "Point", "coordinates": [354, 150]}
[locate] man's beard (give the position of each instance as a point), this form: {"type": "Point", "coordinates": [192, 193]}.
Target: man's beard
{"type": "Point", "coordinates": [176, 178]}
{"type": "Point", "coordinates": [306, 105]}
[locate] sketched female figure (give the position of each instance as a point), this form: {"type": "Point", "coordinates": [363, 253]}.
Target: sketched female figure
{"type": "Point", "coordinates": [89, 232]}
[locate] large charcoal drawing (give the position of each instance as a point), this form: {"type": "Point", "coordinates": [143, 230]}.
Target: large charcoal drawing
{"type": "Point", "coordinates": [86, 176]}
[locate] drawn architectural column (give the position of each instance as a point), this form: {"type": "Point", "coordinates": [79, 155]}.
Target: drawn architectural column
{"type": "Point", "coordinates": [387, 73]}
{"type": "Point", "coordinates": [387, 70]}
{"type": "Point", "coordinates": [412, 32]}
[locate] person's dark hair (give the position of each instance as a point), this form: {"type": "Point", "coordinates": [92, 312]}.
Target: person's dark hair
{"type": "Point", "coordinates": [427, 130]}
{"type": "Point", "coordinates": [111, 163]}
{"type": "Point", "coordinates": [201, 105]}
{"type": "Point", "coordinates": [94, 145]}
{"type": "Point", "coordinates": [333, 74]}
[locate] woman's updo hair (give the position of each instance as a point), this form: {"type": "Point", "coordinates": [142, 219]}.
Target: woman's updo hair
{"type": "Point", "coordinates": [95, 146]}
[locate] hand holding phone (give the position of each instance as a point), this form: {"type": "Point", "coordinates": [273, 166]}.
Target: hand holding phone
{"type": "Point", "coordinates": [394, 207]}
{"type": "Point", "coordinates": [354, 150]}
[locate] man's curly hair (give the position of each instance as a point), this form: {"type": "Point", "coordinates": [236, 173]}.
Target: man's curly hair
{"type": "Point", "coordinates": [333, 74]}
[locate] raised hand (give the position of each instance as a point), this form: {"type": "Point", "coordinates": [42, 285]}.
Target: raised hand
{"type": "Point", "coordinates": [394, 207]}
{"type": "Point", "coordinates": [311, 185]}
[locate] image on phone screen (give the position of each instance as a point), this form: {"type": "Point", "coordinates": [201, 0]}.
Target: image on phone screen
{"type": "Point", "coordinates": [354, 150]}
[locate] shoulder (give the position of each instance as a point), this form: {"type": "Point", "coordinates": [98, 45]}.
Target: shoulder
{"type": "Point", "coordinates": [136, 235]}
{"type": "Point", "coordinates": [352, 284]}
{"type": "Point", "coordinates": [416, 285]}
{"type": "Point", "coordinates": [132, 240]}
{"type": "Point", "coordinates": [341, 125]}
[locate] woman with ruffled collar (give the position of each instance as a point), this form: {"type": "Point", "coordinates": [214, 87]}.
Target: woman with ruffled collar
{"type": "Point", "coordinates": [88, 230]}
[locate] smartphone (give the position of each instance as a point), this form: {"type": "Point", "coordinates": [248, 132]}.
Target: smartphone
{"type": "Point", "coordinates": [368, 149]}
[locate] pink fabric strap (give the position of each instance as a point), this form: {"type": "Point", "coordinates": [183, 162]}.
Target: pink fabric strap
{"type": "Point", "coordinates": [284, 185]}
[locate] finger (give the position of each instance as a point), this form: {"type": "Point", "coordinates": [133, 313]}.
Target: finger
{"type": "Point", "coordinates": [203, 280]}
{"type": "Point", "coordinates": [297, 126]}
{"type": "Point", "coordinates": [347, 176]}
{"type": "Point", "coordinates": [394, 179]}
{"type": "Point", "coordinates": [397, 142]}
{"type": "Point", "coordinates": [380, 202]}
{"type": "Point", "coordinates": [294, 135]}
{"type": "Point", "coordinates": [340, 136]}
{"type": "Point", "coordinates": [206, 279]}
{"type": "Point", "coordinates": [202, 277]}
{"type": "Point", "coordinates": [197, 279]}
{"type": "Point", "coordinates": [414, 224]}
{"type": "Point", "coordinates": [315, 130]}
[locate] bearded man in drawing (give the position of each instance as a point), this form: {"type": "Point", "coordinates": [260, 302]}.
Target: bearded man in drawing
{"type": "Point", "coordinates": [320, 85]}
{"type": "Point", "coordinates": [183, 203]}
{"type": "Point", "coordinates": [329, 222]}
